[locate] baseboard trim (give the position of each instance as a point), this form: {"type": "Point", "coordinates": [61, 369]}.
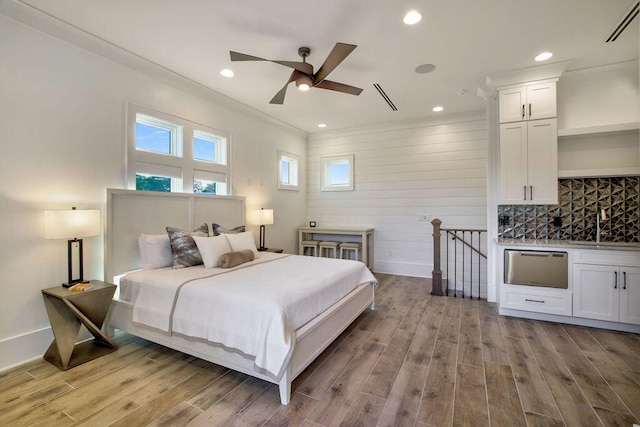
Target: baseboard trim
{"type": "Point", "coordinates": [403, 268]}
{"type": "Point", "coordinates": [21, 349]}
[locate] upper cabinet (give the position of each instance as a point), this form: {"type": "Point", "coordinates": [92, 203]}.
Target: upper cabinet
{"type": "Point", "coordinates": [528, 163]}
{"type": "Point", "coordinates": [527, 102]}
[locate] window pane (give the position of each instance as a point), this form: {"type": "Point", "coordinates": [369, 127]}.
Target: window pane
{"type": "Point", "coordinates": [284, 177]}
{"type": "Point", "coordinates": [204, 187]}
{"type": "Point", "coordinates": [340, 173]}
{"type": "Point", "coordinates": [204, 150]}
{"type": "Point", "coordinates": [153, 183]}
{"type": "Point", "coordinates": [151, 138]}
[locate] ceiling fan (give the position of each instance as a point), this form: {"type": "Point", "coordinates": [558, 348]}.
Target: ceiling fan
{"type": "Point", "coordinates": [303, 72]}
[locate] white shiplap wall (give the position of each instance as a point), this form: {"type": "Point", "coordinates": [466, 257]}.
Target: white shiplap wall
{"type": "Point", "coordinates": [432, 169]}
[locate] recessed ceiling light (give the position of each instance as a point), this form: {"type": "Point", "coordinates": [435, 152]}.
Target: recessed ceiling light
{"type": "Point", "coordinates": [543, 56]}
{"type": "Point", "coordinates": [412, 17]}
{"type": "Point", "coordinates": [322, 125]}
{"type": "Point", "coordinates": [437, 109]}
{"type": "Point", "coordinates": [425, 68]}
{"type": "Point", "coordinates": [227, 73]}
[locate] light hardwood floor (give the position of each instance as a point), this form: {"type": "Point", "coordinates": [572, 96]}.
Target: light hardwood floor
{"type": "Point", "coordinates": [416, 360]}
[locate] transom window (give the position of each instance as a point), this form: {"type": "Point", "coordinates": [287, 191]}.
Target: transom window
{"type": "Point", "coordinates": [168, 153]}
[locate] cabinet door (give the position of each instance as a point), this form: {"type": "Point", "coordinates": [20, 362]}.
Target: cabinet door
{"type": "Point", "coordinates": [511, 104]}
{"type": "Point", "coordinates": [595, 292]}
{"type": "Point", "coordinates": [541, 101]}
{"type": "Point", "coordinates": [513, 163]}
{"type": "Point", "coordinates": [630, 295]}
{"type": "Point", "coordinates": [542, 162]}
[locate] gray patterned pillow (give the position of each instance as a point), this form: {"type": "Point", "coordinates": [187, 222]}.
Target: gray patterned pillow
{"type": "Point", "coordinates": [218, 229]}
{"type": "Point", "coordinates": [184, 248]}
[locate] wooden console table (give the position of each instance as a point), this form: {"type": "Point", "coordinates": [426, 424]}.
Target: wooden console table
{"type": "Point", "coordinates": [364, 233]}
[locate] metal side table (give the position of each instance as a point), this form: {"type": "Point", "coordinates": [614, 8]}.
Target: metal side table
{"type": "Point", "coordinates": [67, 310]}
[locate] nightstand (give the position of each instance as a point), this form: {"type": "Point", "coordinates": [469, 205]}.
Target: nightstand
{"type": "Point", "coordinates": [274, 250]}
{"type": "Point", "coordinates": [67, 310]}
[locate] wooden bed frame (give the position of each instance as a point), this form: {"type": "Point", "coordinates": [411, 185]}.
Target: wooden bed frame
{"type": "Point", "coordinates": [130, 213]}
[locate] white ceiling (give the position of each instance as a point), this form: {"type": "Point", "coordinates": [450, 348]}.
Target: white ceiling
{"type": "Point", "coordinates": [465, 39]}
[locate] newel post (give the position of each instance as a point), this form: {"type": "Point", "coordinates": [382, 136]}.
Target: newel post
{"type": "Point", "coordinates": [436, 274]}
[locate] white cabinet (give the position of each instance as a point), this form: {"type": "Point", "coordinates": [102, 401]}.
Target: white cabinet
{"type": "Point", "coordinates": [529, 162]}
{"type": "Point", "coordinates": [607, 292]}
{"type": "Point", "coordinates": [530, 102]}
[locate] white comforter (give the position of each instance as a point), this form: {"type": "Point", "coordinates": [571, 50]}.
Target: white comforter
{"type": "Point", "coordinates": [253, 308]}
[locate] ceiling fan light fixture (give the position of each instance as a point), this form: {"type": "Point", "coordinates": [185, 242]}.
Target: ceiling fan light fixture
{"type": "Point", "coordinates": [304, 83]}
{"type": "Point", "coordinates": [412, 17]}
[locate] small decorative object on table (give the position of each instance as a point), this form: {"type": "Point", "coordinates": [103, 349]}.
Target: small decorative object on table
{"type": "Point", "coordinates": [67, 310]}
{"type": "Point", "coordinates": [81, 287]}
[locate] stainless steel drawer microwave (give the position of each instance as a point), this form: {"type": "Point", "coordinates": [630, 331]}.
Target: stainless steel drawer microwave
{"type": "Point", "coordinates": [536, 268]}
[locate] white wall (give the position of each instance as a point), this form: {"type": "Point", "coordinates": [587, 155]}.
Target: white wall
{"type": "Point", "coordinates": [62, 137]}
{"type": "Point", "coordinates": [599, 96]}
{"type": "Point", "coordinates": [403, 172]}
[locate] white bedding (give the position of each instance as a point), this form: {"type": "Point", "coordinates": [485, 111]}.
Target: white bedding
{"type": "Point", "coordinates": [253, 308]}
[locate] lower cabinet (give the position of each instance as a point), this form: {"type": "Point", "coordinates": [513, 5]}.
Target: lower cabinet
{"type": "Point", "coordinates": [607, 292]}
{"type": "Point", "coordinates": [537, 299]}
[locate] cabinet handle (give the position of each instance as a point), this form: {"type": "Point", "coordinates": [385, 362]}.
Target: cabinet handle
{"type": "Point", "coordinates": [624, 280]}
{"type": "Point", "coordinates": [531, 192]}
{"type": "Point", "coordinates": [523, 111]}
{"type": "Point", "coordinates": [529, 109]}
{"type": "Point", "coordinates": [615, 282]}
{"type": "Point", "coordinates": [525, 192]}
{"type": "Point", "coordinates": [534, 300]}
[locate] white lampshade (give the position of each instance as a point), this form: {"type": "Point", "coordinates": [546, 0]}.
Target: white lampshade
{"type": "Point", "coordinates": [264, 217]}
{"type": "Point", "coordinates": [71, 224]}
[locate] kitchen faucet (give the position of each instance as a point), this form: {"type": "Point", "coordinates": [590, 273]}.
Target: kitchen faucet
{"type": "Point", "coordinates": [602, 215]}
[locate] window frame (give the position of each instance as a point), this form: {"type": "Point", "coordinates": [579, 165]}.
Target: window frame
{"type": "Point", "coordinates": [325, 172]}
{"type": "Point", "coordinates": [182, 156]}
{"type": "Point", "coordinates": [295, 173]}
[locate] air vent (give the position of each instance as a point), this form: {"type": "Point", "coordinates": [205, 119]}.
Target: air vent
{"type": "Point", "coordinates": [624, 22]}
{"type": "Point", "coordinates": [384, 95]}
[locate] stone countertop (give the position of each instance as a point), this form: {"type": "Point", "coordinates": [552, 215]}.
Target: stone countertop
{"type": "Point", "coordinates": [616, 246]}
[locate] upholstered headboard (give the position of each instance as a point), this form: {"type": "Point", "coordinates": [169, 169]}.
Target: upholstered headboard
{"type": "Point", "coordinates": [131, 212]}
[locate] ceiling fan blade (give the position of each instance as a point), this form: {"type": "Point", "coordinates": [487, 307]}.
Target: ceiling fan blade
{"type": "Point", "coordinates": [237, 56]}
{"type": "Point", "coordinates": [303, 67]}
{"type": "Point", "coordinates": [339, 52]}
{"type": "Point", "coordinates": [279, 97]}
{"type": "Point", "coordinates": [338, 87]}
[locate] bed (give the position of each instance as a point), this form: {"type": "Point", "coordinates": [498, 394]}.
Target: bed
{"type": "Point", "coordinates": [153, 304]}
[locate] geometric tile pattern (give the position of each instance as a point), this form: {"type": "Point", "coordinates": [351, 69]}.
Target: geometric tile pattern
{"type": "Point", "coordinates": [579, 201]}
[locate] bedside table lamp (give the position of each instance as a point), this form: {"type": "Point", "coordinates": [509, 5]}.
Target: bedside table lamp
{"type": "Point", "coordinates": [72, 225]}
{"type": "Point", "coordinates": [263, 217]}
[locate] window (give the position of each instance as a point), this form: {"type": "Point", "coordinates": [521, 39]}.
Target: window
{"type": "Point", "coordinates": [337, 173]}
{"type": "Point", "coordinates": [288, 171]}
{"type": "Point", "coordinates": [167, 153]}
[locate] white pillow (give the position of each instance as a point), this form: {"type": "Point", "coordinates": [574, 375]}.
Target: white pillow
{"type": "Point", "coordinates": [211, 248]}
{"type": "Point", "coordinates": [155, 251]}
{"type": "Point", "coordinates": [241, 241]}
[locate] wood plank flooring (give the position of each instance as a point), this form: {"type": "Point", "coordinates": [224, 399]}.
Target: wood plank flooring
{"type": "Point", "coordinates": [416, 360]}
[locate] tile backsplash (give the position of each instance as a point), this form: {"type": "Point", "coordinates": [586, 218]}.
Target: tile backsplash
{"type": "Point", "coordinates": [580, 199]}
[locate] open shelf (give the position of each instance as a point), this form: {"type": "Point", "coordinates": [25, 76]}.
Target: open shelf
{"type": "Point", "coordinates": [603, 129]}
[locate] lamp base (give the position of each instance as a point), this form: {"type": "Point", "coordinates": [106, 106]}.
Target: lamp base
{"type": "Point", "coordinates": [262, 249]}
{"type": "Point", "coordinates": [74, 282]}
